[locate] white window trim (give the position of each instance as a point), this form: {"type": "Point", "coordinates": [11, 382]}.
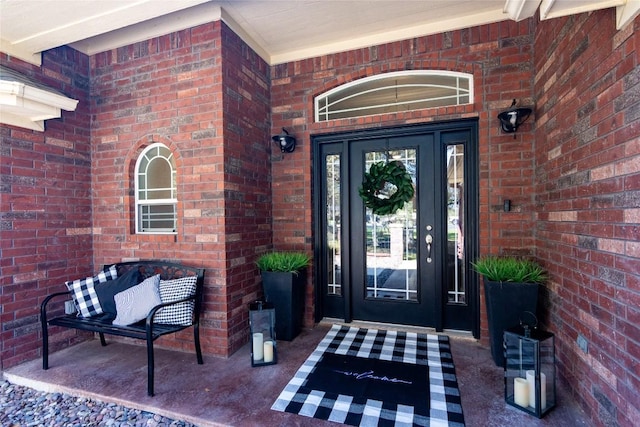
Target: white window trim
{"type": "Point", "coordinates": [138, 202]}
{"type": "Point", "coordinates": [318, 100]}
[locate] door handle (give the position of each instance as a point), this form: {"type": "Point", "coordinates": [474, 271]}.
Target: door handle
{"type": "Point", "coordinates": [429, 240]}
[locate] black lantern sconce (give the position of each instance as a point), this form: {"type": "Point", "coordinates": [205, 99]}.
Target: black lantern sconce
{"type": "Point", "coordinates": [511, 119]}
{"type": "Point", "coordinates": [286, 142]}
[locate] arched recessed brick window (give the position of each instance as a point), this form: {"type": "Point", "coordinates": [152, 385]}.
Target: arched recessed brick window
{"type": "Point", "coordinates": [395, 92]}
{"type": "Point", "coordinates": [156, 195]}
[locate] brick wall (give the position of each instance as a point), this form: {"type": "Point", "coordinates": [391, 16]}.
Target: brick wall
{"type": "Point", "coordinates": [500, 57]}
{"type": "Point", "coordinates": [587, 86]}
{"type": "Point", "coordinates": [45, 208]}
{"type": "Point", "coordinates": [195, 88]}
{"type": "Point", "coordinates": [204, 94]}
{"type": "Point", "coordinates": [571, 173]}
{"type": "Point", "coordinates": [247, 166]}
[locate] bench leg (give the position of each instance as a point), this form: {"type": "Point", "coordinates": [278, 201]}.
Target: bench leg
{"type": "Point", "coordinates": [196, 340]}
{"type": "Point", "coordinates": [103, 342]}
{"type": "Point", "coordinates": [45, 345]}
{"type": "Point", "coordinates": [150, 365]}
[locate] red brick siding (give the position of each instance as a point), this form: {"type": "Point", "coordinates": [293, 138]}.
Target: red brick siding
{"type": "Point", "coordinates": [247, 178]}
{"type": "Point", "coordinates": [588, 202]}
{"type": "Point", "coordinates": [204, 94]}
{"type": "Point", "coordinates": [571, 174]}
{"type": "Point", "coordinates": [45, 208]}
{"type": "Point", "coordinates": [500, 57]}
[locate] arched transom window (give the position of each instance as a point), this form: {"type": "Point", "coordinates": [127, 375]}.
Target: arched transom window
{"type": "Point", "coordinates": [156, 197]}
{"type": "Point", "coordinates": [395, 92]}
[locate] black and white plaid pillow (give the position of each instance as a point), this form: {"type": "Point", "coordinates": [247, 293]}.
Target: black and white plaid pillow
{"type": "Point", "coordinates": [84, 294]}
{"type": "Point", "coordinates": [174, 290]}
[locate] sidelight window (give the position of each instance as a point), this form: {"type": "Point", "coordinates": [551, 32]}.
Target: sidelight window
{"type": "Point", "coordinates": [456, 289]}
{"type": "Point", "coordinates": [333, 224]}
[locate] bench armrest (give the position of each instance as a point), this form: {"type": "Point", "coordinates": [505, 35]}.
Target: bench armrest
{"type": "Point", "coordinates": [43, 306]}
{"type": "Point", "coordinates": [153, 311]}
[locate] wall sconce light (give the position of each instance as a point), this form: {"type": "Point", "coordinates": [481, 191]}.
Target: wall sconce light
{"type": "Point", "coordinates": [511, 119]}
{"type": "Point", "coordinates": [286, 142]}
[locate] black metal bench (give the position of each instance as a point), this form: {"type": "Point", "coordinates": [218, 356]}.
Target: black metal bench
{"type": "Point", "coordinates": [143, 330]}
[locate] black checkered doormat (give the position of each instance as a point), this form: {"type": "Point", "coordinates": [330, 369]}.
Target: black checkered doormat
{"type": "Point", "coordinates": [369, 377]}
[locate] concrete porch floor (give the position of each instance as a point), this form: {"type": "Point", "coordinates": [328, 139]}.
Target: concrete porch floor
{"type": "Point", "coordinates": [229, 392]}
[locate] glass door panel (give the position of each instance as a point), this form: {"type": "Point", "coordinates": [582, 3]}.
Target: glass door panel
{"type": "Point", "coordinates": [391, 280]}
{"type": "Point", "coordinates": [391, 260]}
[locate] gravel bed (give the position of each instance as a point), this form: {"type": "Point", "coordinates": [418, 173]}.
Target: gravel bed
{"type": "Point", "coordinates": [25, 407]}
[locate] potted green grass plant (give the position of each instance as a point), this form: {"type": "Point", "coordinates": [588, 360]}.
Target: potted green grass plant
{"type": "Point", "coordinates": [283, 282]}
{"type": "Point", "coordinates": [511, 290]}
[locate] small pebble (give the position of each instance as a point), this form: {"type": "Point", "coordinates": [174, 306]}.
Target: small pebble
{"type": "Point", "coordinates": [23, 406]}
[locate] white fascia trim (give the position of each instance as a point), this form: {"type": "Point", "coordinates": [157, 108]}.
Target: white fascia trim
{"type": "Point", "coordinates": [519, 10]}
{"type": "Point", "coordinates": [626, 13]}
{"type": "Point", "coordinates": [27, 106]}
{"type": "Point", "coordinates": [7, 118]}
{"type": "Point", "coordinates": [557, 8]}
{"type": "Point", "coordinates": [13, 50]}
{"type": "Point", "coordinates": [155, 27]}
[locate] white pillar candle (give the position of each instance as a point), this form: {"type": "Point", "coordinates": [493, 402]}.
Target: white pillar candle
{"type": "Point", "coordinates": [268, 351]}
{"type": "Point", "coordinates": [258, 349]}
{"type": "Point", "coordinates": [531, 381]}
{"type": "Point", "coordinates": [521, 392]}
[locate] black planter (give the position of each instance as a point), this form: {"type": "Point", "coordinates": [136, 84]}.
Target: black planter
{"type": "Point", "coordinates": [286, 292]}
{"type": "Point", "coordinates": [507, 303]}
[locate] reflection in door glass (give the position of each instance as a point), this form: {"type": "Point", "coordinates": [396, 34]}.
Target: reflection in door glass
{"type": "Point", "coordinates": [391, 241]}
{"type": "Point", "coordinates": [455, 226]}
{"type": "Point", "coordinates": [334, 284]}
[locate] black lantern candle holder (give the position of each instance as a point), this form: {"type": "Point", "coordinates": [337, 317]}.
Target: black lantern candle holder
{"type": "Point", "coordinates": [529, 372]}
{"type": "Point", "coordinates": [262, 324]}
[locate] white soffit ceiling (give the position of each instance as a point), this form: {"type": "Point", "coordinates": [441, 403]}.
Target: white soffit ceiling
{"type": "Point", "coordinates": [302, 29]}
{"type": "Point", "coordinates": [28, 27]}
{"type": "Point", "coordinates": [279, 30]}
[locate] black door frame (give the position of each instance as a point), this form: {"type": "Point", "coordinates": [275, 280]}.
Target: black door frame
{"type": "Point", "coordinates": [471, 214]}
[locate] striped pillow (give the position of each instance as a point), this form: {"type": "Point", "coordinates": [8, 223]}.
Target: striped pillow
{"type": "Point", "coordinates": [134, 304]}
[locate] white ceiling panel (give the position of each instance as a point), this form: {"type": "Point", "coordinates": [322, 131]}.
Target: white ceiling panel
{"type": "Point", "coordinates": [279, 30]}
{"type": "Point", "coordinates": [44, 24]}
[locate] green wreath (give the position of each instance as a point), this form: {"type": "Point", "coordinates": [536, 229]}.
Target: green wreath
{"type": "Point", "coordinates": [386, 187]}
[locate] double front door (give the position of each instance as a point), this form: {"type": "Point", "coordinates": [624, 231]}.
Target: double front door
{"type": "Point", "coordinates": [411, 266]}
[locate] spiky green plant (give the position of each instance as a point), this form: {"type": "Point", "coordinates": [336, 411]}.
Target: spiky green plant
{"type": "Point", "coordinates": [291, 262]}
{"type": "Point", "coordinates": [510, 269]}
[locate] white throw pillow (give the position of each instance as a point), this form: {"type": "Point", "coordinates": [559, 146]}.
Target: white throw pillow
{"type": "Point", "coordinates": [134, 304]}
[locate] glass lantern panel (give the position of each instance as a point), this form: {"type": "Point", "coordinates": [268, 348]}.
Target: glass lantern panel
{"type": "Point", "coordinates": [529, 370]}
{"type": "Point", "coordinates": [262, 320]}
{"type": "Point", "coordinates": [547, 369]}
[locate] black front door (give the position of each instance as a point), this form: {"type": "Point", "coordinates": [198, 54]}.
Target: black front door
{"type": "Point", "coordinates": [408, 267]}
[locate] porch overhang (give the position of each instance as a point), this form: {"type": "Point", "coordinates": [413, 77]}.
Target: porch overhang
{"type": "Point", "coordinates": [626, 10]}
{"type": "Point", "coordinates": [28, 104]}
